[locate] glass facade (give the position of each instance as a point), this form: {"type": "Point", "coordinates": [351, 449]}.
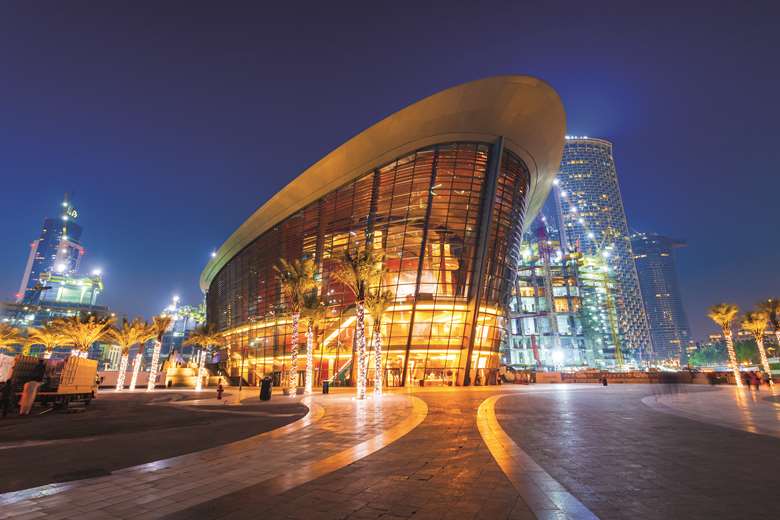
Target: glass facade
{"type": "Point", "coordinates": [448, 219]}
{"type": "Point", "coordinates": [595, 224]}
{"type": "Point", "coordinates": [654, 255]}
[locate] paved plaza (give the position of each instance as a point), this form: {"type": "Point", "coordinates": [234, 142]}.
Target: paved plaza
{"type": "Point", "coordinates": [515, 452]}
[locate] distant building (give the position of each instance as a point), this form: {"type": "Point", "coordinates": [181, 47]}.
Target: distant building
{"type": "Point", "coordinates": [654, 255]}
{"type": "Point", "coordinates": [595, 224]}
{"type": "Point", "coordinates": [57, 250]}
{"type": "Point", "coordinates": [51, 286]}
{"type": "Point", "coordinates": [184, 320]}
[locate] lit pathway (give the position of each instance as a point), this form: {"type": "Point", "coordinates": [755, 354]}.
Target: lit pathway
{"type": "Point", "coordinates": [336, 432]}
{"type": "Point", "coordinates": [442, 469]}
{"type": "Point", "coordinates": [747, 410]}
{"type": "Point", "coordinates": [625, 460]}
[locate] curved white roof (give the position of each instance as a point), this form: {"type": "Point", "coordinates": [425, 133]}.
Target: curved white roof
{"type": "Point", "coordinates": [526, 111]}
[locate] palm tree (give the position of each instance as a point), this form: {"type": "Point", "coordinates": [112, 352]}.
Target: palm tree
{"type": "Point", "coordinates": [9, 336]}
{"type": "Point", "coordinates": [377, 303]}
{"type": "Point", "coordinates": [359, 272]}
{"type": "Point", "coordinates": [145, 333]}
{"type": "Point", "coordinates": [755, 323]}
{"type": "Point", "coordinates": [160, 325]}
{"type": "Point", "coordinates": [125, 337]}
{"type": "Point", "coordinates": [313, 313]}
{"type": "Point", "coordinates": [206, 337]}
{"type": "Point", "coordinates": [83, 332]}
{"type": "Point", "coordinates": [772, 309]}
{"type": "Point", "coordinates": [297, 278]}
{"type": "Point", "coordinates": [723, 315]}
{"type": "Point", "coordinates": [48, 336]}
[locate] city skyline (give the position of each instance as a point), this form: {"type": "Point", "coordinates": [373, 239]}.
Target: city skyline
{"type": "Point", "coordinates": [150, 184]}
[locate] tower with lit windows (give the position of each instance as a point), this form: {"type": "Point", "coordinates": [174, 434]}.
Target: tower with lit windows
{"type": "Point", "coordinates": [56, 252]}
{"type": "Point", "coordinates": [654, 255]}
{"type": "Point", "coordinates": [594, 221]}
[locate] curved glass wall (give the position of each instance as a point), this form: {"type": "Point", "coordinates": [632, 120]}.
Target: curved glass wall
{"type": "Point", "coordinates": [449, 223]}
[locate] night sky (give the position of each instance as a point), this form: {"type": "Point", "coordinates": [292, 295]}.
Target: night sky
{"type": "Point", "coordinates": [172, 123]}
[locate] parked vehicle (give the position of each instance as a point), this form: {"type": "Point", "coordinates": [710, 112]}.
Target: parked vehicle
{"type": "Point", "coordinates": [65, 381]}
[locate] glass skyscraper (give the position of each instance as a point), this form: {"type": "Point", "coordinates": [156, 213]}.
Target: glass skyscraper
{"type": "Point", "coordinates": [595, 225]}
{"type": "Point", "coordinates": [57, 251]}
{"type": "Point", "coordinates": [661, 293]}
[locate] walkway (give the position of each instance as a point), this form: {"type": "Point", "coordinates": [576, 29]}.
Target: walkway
{"type": "Point", "coordinates": [749, 410]}
{"type": "Point", "coordinates": [511, 452]}
{"type": "Point", "coordinates": [337, 431]}
{"type": "Point", "coordinates": [623, 459]}
{"type": "Point", "coordinates": [442, 469]}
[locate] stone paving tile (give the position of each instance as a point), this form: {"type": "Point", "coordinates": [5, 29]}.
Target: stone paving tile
{"type": "Point", "coordinates": [623, 459]}
{"type": "Point", "coordinates": [440, 470]}
{"type": "Point", "coordinates": [166, 486]}
{"type": "Point", "coordinates": [746, 409]}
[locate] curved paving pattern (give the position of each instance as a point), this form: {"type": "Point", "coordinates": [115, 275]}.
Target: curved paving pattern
{"type": "Point", "coordinates": [622, 459]}
{"type": "Point", "coordinates": [337, 431]}
{"type": "Point", "coordinates": [749, 410]}
{"type": "Point", "coordinates": [441, 469]}
{"type": "Point", "coordinates": [546, 497]}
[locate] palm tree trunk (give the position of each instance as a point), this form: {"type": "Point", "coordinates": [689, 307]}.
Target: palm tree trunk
{"type": "Point", "coordinates": [360, 332]}
{"type": "Point", "coordinates": [120, 377]}
{"type": "Point", "coordinates": [292, 376]}
{"type": "Point", "coordinates": [153, 369]}
{"type": "Point", "coordinates": [377, 360]}
{"type": "Point", "coordinates": [309, 359]}
{"type": "Point", "coordinates": [136, 369]}
{"type": "Point", "coordinates": [201, 369]}
{"type": "Point", "coordinates": [764, 359]}
{"type": "Point", "coordinates": [732, 357]}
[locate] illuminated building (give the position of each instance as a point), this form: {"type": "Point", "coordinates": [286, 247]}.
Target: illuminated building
{"type": "Point", "coordinates": [563, 311]}
{"type": "Point", "coordinates": [654, 256]}
{"type": "Point", "coordinates": [57, 250]}
{"type": "Point", "coordinates": [441, 187]}
{"type": "Point", "coordinates": [595, 223]}
{"type": "Point", "coordinates": [546, 326]}
{"type": "Point", "coordinates": [51, 285]}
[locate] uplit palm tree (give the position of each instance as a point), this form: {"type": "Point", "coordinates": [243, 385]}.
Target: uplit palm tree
{"type": "Point", "coordinates": [313, 313]}
{"type": "Point", "coordinates": [771, 306]}
{"type": "Point", "coordinates": [145, 333]}
{"type": "Point", "coordinates": [297, 278]}
{"type": "Point", "coordinates": [159, 326]}
{"type": "Point", "coordinates": [377, 303]}
{"type": "Point", "coordinates": [755, 323]}
{"type": "Point", "coordinates": [359, 272]}
{"type": "Point", "coordinates": [206, 337]}
{"type": "Point", "coordinates": [723, 314]}
{"type": "Point", "coordinates": [48, 336]}
{"type": "Point", "coordinates": [83, 332]}
{"type": "Point", "coordinates": [9, 336]}
{"type": "Point", "coordinates": [125, 337]}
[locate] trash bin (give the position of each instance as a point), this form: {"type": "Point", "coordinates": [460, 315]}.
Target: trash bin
{"type": "Point", "coordinates": [265, 389]}
{"type": "Point", "coordinates": [325, 387]}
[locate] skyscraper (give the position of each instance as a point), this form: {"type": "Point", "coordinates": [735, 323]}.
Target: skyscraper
{"type": "Point", "coordinates": [594, 222]}
{"type": "Point", "coordinates": [661, 293]}
{"type": "Point", "coordinates": [57, 250]}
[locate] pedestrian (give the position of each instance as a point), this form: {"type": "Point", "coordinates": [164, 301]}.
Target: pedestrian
{"type": "Point", "coordinates": [604, 381]}
{"type": "Point", "coordinates": [220, 389]}
{"type": "Point", "coordinates": [6, 396]}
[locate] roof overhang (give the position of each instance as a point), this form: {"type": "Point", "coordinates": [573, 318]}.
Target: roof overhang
{"type": "Point", "coordinates": [526, 111]}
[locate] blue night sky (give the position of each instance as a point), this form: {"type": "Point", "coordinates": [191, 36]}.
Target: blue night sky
{"type": "Point", "coordinates": [172, 123]}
